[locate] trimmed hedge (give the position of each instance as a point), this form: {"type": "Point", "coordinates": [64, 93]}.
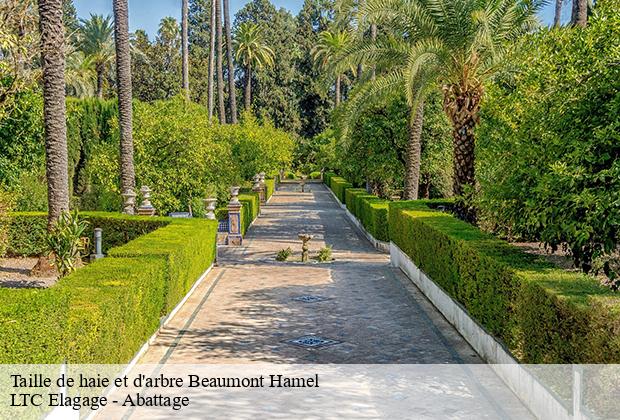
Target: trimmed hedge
{"type": "Point", "coordinates": [339, 186]}
{"type": "Point", "coordinates": [27, 231]}
{"type": "Point", "coordinates": [250, 210]}
{"type": "Point", "coordinates": [105, 311]}
{"type": "Point", "coordinates": [543, 314]}
{"type": "Point", "coordinates": [270, 187]}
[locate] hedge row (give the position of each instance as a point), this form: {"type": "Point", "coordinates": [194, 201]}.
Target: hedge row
{"type": "Point", "coordinates": [369, 209]}
{"type": "Point", "coordinates": [105, 311]}
{"type": "Point", "coordinates": [27, 231]}
{"type": "Point", "coordinates": [270, 187]}
{"type": "Point", "coordinates": [543, 314]}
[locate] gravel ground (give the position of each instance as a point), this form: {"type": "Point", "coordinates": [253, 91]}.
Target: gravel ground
{"type": "Point", "coordinates": [15, 273]}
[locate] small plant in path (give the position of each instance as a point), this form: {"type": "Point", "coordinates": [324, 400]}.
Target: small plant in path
{"type": "Point", "coordinates": [325, 254]}
{"type": "Point", "coordinates": [65, 242]}
{"type": "Point", "coordinates": [283, 254]}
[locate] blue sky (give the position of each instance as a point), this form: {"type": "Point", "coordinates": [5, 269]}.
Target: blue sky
{"type": "Point", "coordinates": [146, 14]}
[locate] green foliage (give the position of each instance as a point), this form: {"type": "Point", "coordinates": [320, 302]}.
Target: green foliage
{"type": "Point", "coordinates": [250, 210]}
{"type": "Point", "coordinates": [316, 153]}
{"type": "Point", "coordinates": [549, 143]}
{"type": "Point", "coordinates": [370, 210]}
{"type": "Point", "coordinates": [104, 312]}
{"type": "Point", "coordinates": [65, 243]}
{"type": "Point", "coordinates": [325, 254]}
{"type": "Point", "coordinates": [27, 232]}
{"type": "Point", "coordinates": [339, 186]}
{"type": "Point", "coordinates": [270, 187]}
{"type": "Point", "coordinates": [6, 205]}
{"type": "Point", "coordinates": [283, 254]}
{"type": "Point", "coordinates": [541, 313]}
{"type": "Point", "coordinates": [374, 149]}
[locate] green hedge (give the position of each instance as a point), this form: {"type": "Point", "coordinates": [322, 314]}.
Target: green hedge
{"type": "Point", "coordinates": [370, 210]}
{"type": "Point", "coordinates": [27, 231]}
{"type": "Point", "coordinates": [543, 314]}
{"type": "Point", "coordinates": [105, 311]}
{"type": "Point", "coordinates": [339, 186]}
{"type": "Point", "coordinates": [270, 187]}
{"type": "Point", "coordinates": [251, 208]}
{"type": "Point", "coordinates": [327, 176]}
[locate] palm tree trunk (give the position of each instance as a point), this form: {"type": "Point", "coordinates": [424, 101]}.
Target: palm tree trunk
{"type": "Point", "coordinates": [337, 88]}
{"type": "Point", "coordinates": [558, 14]}
{"type": "Point", "coordinates": [413, 154]}
{"type": "Point", "coordinates": [232, 94]}
{"type": "Point", "coordinates": [100, 69]}
{"type": "Point", "coordinates": [462, 105]}
{"type": "Point", "coordinates": [248, 87]}
{"type": "Point", "coordinates": [579, 15]}
{"type": "Point", "coordinates": [219, 68]}
{"type": "Point", "coordinates": [211, 59]}
{"type": "Point", "coordinates": [123, 75]}
{"type": "Point", "coordinates": [373, 37]}
{"type": "Point", "coordinates": [184, 36]}
{"type": "Point", "coordinates": [54, 107]}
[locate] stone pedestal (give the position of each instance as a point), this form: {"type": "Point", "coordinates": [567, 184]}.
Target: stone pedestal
{"type": "Point", "coordinates": [263, 191]}
{"type": "Point", "coordinates": [210, 208]}
{"type": "Point", "coordinates": [235, 236]}
{"type": "Point", "coordinates": [129, 202]}
{"type": "Point", "coordinates": [146, 208]}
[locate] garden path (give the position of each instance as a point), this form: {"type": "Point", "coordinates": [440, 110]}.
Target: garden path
{"type": "Point", "coordinates": [248, 308]}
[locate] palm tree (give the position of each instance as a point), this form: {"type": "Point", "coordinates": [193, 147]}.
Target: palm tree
{"type": "Point", "coordinates": [454, 44]}
{"type": "Point", "coordinates": [331, 45]}
{"type": "Point", "coordinates": [557, 17]}
{"type": "Point", "coordinates": [79, 74]}
{"type": "Point", "coordinates": [123, 75]}
{"type": "Point", "coordinates": [579, 16]}
{"type": "Point", "coordinates": [251, 52]}
{"type": "Point", "coordinates": [97, 41]}
{"type": "Point", "coordinates": [184, 41]}
{"type": "Point", "coordinates": [54, 108]}
{"type": "Point", "coordinates": [219, 63]}
{"type": "Point", "coordinates": [211, 59]}
{"type": "Point", "coordinates": [232, 94]}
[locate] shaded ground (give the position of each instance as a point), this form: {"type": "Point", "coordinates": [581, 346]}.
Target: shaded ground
{"type": "Point", "coordinates": [15, 273]}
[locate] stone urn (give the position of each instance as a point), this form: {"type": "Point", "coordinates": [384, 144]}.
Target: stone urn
{"type": "Point", "coordinates": [234, 192]}
{"type": "Point", "coordinates": [146, 208]}
{"type": "Point", "coordinates": [210, 207]}
{"type": "Point", "coordinates": [305, 238]}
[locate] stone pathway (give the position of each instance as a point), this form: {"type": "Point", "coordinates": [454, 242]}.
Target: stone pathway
{"type": "Point", "coordinates": [251, 304]}
{"type": "Point", "coordinates": [374, 320]}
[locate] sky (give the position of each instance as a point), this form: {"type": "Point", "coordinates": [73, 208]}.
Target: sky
{"type": "Point", "coordinates": [146, 14]}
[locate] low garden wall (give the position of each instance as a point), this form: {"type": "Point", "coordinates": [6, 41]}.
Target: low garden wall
{"type": "Point", "coordinates": [540, 313]}
{"type": "Point", "coordinates": [104, 312]}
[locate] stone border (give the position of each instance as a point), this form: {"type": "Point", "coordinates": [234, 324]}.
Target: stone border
{"type": "Point", "coordinates": [535, 395]}
{"type": "Point", "coordinates": [379, 245]}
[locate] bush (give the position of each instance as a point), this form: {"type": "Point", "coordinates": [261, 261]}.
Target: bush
{"type": "Point", "coordinates": [250, 210]}
{"type": "Point", "coordinates": [370, 210]}
{"type": "Point", "coordinates": [541, 313]}
{"type": "Point", "coordinates": [27, 232]}
{"type": "Point", "coordinates": [339, 186]}
{"type": "Point", "coordinates": [270, 187]}
{"type": "Point", "coordinates": [315, 175]}
{"type": "Point", "coordinates": [283, 254]}
{"type": "Point", "coordinates": [549, 140]}
{"type": "Point", "coordinates": [104, 312]}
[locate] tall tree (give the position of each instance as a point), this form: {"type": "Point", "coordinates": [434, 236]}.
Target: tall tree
{"type": "Point", "coordinates": [252, 52]}
{"type": "Point", "coordinates": [232, 94]}
{"type": "Point", "coordinates": [54, 109]}
{"type": "Point", "coordinates": [123, 75]}
{"type": "Point", "coordinates": [557, 17]}
{"type": "Point", "coordinates": [185, 42]}
{"type": "Point", "coordinates": [455, 44]}
{"type": "Point", "coordinates": [212, 57]}
{"type": "Point", "coordinates": [331, 45]}
{"type": "Point", "coordinates": [97, 42]}
{"type": "Point", "coordinates": [579, 16]}
{"type": "Point", "coordinates": [219, 62]}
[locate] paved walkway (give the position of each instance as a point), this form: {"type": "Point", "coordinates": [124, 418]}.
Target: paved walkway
{"type": "Point", "coordinates": [247, 308]}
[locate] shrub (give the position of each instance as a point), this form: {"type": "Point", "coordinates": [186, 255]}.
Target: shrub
{"type": "Point", "coordinates": [541, 313]}
{"type": "Point", "coordinates": [270, 187]}
{"type": "Point", "coordinates": [549, 139]}
{"type": "Point", "coordinates": [250, 209]}
{"type": "Point", "coordinates": [27, 232]}
{"type": "Point", "coordinates": [370, 210]}
{"type": "Point", "coordinates": [283, 254]}
{"type": "Point", "coordinates": [65, 242]}
{"type": "Point", "coordinates": [339, 186]}
{"type": "Point", "coordinates": [315, 175]}
{"type": "Point", "coordinates": [325, 254]}
{"type": "Point", "coordinates": [104, 312]}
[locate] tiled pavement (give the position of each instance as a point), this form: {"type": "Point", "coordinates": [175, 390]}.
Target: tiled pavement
{"type": "Point", "coordinates": [246, 310]}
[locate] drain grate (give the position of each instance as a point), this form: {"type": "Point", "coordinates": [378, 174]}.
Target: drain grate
{"type": "Point", "coordinates": [312, 341]}
{"type": "Point", "coordinates": [309, 298]}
